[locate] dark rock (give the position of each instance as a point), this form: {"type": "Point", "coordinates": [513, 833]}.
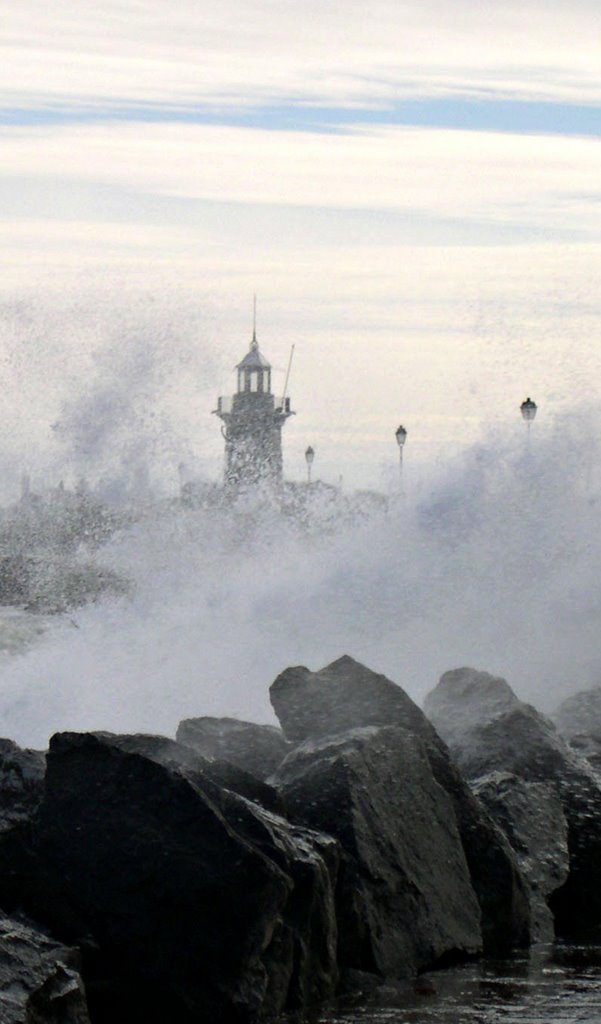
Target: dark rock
{"type": "Point", "coordinates": [405, 900]}
{"type": "Point", "coordinates": [578, 719]}
{"type": "Point", "coordinates": [343, 695]}
{"type": "Point", "coordinates": [501, 889]}
{"type": "Point", "coordinates": [346, 695]}
{"type": "Point", "coordinates": [224, 774]}
{"type": "Point", "coordinates": [357, 986]}
{"type": "Point", "coordinates": [22, 774]}
{"type": "Point", "coordinates": [189, 901]}
{"type": "Point", "coordinates": [532, 817]}
{"type": "Point", "coordinates": [257, 749]}
{"type": "Point", "coordinates": [541, 772]}
{"type": "Point", "coordinates": [39, 978]}
{"type": "Point", "coordinates": [21, 783]}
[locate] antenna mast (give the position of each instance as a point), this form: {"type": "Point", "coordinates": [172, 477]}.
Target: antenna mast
{"type": "Point", "coordinates": [287, 376]}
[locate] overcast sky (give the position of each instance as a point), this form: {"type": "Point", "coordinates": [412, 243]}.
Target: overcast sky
{"type": "Point", "coordinates": [412, 189]}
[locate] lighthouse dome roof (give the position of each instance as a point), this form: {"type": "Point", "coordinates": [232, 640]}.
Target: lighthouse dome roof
{"type": "Point", "coordinates": [253, 359]}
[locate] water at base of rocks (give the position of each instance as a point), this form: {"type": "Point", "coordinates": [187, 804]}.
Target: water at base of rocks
{"type": "Point", "coordinates": [558, 984]}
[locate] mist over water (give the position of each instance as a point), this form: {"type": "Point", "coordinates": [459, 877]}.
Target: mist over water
{"type": "Point", "coordinates": [491, 558]}
{"type": "Point", "coordinates": [494, 561]}
{"type": "Point", "coordinates": [103, 382]}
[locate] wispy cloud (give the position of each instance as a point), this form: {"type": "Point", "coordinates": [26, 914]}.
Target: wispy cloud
{"type": "Point", "coordinates": [524, 181]}
{"type": "Point", "coordinates": [76, 53]}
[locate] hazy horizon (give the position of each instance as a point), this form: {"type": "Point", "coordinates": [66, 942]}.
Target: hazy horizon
{"type": "Point", "coordinates": [412, 190]}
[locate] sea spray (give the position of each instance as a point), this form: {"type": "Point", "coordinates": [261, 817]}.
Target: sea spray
{"type": "Point", "coordinates": [496, 563]}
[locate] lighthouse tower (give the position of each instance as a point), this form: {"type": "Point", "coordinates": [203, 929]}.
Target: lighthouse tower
{"type": "Point", "coordinates": [252, 424]}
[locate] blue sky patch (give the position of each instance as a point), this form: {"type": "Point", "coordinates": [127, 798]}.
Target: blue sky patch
{"type": "Point", "coordinates": [467, 114]}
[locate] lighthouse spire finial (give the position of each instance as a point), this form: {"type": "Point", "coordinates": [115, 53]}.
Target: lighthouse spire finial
{"type": "Point", "coordinates": [254, 343]}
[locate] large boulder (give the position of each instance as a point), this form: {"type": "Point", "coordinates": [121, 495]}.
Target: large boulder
{"type": "Point", "coordinates": [257, 749]}
{"type": "Point", "coordinates": [343, 695]}
{"type": "Point", "coordinates": [404, 900]}
{"type": "Point", "coordinates": [22, 775]}
{"type": "Point", "coordinates": [532, 817]}
{"type": "Point", "coordinates": [546, 798]}
{"type": "Point", "coordinates": [224, 774]}
{"type": "Point", "coordinates": [485, 736]}
{"type": "Point", "coordinates": [346, 695]}
{"type": "Point", "coordinates": [39, 978]}
{"type": "Point", "coordinates": [189, 901]}
{"type": "Point", "coordinates": [578, 719]}
{"type": "Point", "coordinates": [21, 783]}
{"type": "Point", "coordinates": [502, 891]}
{"type": "Point", "coordinates": [464, 699]}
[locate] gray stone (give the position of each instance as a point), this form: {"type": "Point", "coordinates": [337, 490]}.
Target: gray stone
{"type": "Point", "coordinates": [578, 719]}
{"type": "Point", "coordinates": [484, 736]}
{"type": "Point", "coordinates": [343, 695]}
{"type": "Point", "coordinates": [404, 900]}
{"type": "Point", "coordinates": [532, 817]}
{"type": "Point", "coordinates": [514, 739]}
{"type": "Point", "coordinates": [464, 698]}
{"type": "Point", "coordinates": [257, 749]}
{"type": "Point", "coordinates": [39, 978]}
{"type": "Point", "coordinates": [501, 888]}
{"type": "Point", "coordinates": [346, 695]}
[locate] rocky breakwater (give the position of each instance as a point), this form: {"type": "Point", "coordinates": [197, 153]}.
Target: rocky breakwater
{"type": "Point", "coordinates": [544, 797]}
{"type": "Point", "coordinates": [194, 890]}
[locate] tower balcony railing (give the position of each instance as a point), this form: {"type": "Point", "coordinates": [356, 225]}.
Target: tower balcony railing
{"type": "Point", "coordinates": [225, 403]}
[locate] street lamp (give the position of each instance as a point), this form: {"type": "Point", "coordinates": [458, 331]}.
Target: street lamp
{"type": "Point", "coordinates": [309, 456]}
{"type": "Point", "coordinates": [528, 410]}
{"type": "Point", "coordinates": [401, 436]}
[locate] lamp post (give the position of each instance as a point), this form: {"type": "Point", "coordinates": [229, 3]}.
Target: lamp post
{"type": "Point", "coordinates": [309, 456]}
{"type": "Point", "coordinates": [401, 436]}
{"type": "Point", "coordinates": [528, 410]}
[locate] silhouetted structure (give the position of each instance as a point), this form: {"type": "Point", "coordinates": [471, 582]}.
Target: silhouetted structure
{"type": "Point", "coordinates": [252, 424]}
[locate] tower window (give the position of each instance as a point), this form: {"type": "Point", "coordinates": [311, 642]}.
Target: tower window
{"type": "Point", "coordinates": [254, 380]}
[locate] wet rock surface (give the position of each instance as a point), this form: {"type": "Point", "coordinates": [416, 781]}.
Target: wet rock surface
{"type": "Point", "coordinates": [347, 695]}
{"type": "Point", "coordinates": [532, 817]}
{"type": "Point", "coordinates": [39, 978]}
{"type": "Point", "coordinates": [501, 889]}
{"type": "Point", "coordinates": [223, 774]}
{"type": "Point", "coordinates": [186, 898]}
{"type": "Point", "coordinates": [480, 738]}
{"type": "Point", "coordinates": [514, 739]}
{"type": "Point", "coordinates": [21, 783]}
{"type": "Point", "coordinates": [257, 749]}
{"type": "Point", "coordinates": [404, 898]}
{"type": "Point", "coordinates": [343, 695]}
{"type": "Point", "coordinates": [191, 895]}
{"type": "Point", "coordinates": [578, 719]}
{"type": "Point", "coordinates": [463, 699]}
